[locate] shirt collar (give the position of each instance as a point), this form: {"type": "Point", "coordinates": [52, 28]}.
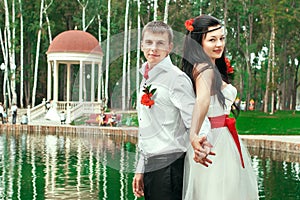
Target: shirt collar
{"type": "Point", "coordinates": [164, 65]}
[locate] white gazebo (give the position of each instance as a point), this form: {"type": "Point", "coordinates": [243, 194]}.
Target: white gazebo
{"type": "Point", "coordinates": [75, 47]}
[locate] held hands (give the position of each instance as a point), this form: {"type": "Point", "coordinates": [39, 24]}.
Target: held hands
{"type": "Point", "coordinates": [138, 185]}
{"type": "Point", "coordinates": [202, 148]}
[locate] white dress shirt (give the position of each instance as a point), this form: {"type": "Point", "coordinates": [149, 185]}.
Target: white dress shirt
{"type": "Point", "coordinates": [163, 128]}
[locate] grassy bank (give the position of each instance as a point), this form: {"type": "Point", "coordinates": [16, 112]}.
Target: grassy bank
{"type": "Point", "coordinates": [248, 123]}
{"type": "Point", "coordinates": [259, 123]}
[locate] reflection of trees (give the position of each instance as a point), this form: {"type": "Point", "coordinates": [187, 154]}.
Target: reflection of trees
{"type": "Point", "coordinates": [277, 172]}
{"type": "Point", "coordinates": [78, 166]}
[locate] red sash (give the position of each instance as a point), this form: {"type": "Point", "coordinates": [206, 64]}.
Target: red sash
{"type": "Point", "coordinates": [225, 121]}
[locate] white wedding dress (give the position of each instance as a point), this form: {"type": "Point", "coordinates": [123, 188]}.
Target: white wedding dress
{"type": "Point", "coordinates": [225, 178]}
{"type": "Point", "coordinates": [52, 114]}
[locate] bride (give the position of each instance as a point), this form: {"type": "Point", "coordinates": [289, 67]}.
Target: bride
{"type": "Point", "coordinates": [230, 175]}
{"type": "Point", "coordinates": [52, 113]}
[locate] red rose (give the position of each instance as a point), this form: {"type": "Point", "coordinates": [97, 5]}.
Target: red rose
{"type": "Point", "coordinates": [230, 69]}
{"type": "Point", "coordinates": [146, 100]}
{"type": "Point", "coordinates": [189, 24]}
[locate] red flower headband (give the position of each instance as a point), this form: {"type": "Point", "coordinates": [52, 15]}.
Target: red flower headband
{"type": "Point", "coordinates": [189, 25]}
{"type": "Point", "coordinates": [230, 69]}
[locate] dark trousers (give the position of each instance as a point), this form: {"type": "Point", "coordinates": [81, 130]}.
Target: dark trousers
{"type": "Point", "coordinates": [14, 117]}
{"type": "Point", "coordinates": [165, 183]}
{"type": "Point", "coordinates": [1, 116]}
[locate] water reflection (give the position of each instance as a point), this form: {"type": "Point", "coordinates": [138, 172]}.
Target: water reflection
{"type": "Point", "coordinates": [91, 166]}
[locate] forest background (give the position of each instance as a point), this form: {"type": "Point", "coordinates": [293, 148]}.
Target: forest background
{"type": "Point", "coordinates": [263, 40]}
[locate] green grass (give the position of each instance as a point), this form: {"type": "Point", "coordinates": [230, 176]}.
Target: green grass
{"type": "Point", "coordinates": [248, 123]}
{"type": "Point", "coordinates": [259, 123]}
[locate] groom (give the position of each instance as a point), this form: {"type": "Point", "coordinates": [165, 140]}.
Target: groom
{"type": "Point", "coordinates": [164, 110]}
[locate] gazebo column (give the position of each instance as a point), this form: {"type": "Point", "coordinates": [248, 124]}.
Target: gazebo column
{"type": "Point", "coordinates": [80, 80]}
{"type": "Point", "coordinates": [93, 83]}
{"type": "Point", "coordinates": [49, 81]}
{"type": "Point", "coordinates": [55, 86]}
{"type": "Point", "coordinates": [68, 119]}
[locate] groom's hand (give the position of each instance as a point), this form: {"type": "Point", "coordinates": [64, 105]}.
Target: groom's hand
{"type": "Point", "coordinates": [138, 185]}
{"type": "Point", "coordinates": [202, 148]}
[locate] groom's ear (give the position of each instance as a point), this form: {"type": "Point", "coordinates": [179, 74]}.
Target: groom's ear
{"type": "Point", "coordinates": [171, 45]}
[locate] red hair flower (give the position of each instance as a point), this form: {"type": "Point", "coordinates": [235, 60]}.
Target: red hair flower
{"type": "Point", "coordinates": [146, 98]}
{"type": "Point", "coordinates": [189, 25]}
{"type": "Point", "coordinates": [230, 69]}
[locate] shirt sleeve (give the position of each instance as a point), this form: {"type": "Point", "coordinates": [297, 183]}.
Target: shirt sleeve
{"type": "Point", "coordinates": [140, 167]}
{"type": "Point", "coordinates": [183, 97]}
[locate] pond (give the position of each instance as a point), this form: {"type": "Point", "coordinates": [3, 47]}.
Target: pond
{"type": "Point", "coordinates": [99, 166]}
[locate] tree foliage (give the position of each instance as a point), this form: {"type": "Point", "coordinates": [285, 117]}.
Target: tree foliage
{"type": "Point", "coordinates": [248, 25]}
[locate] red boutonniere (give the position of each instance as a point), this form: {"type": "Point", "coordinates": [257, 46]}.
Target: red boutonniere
{"type": "Point", "coordinates": [189, 25]}
{"type": "Point", "coordinates": [230, 69]}
{"type": "Point", "coordinates": [146, 98]}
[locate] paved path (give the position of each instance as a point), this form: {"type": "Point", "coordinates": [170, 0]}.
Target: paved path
{"type": "Point", "coordinates": [281, 138]}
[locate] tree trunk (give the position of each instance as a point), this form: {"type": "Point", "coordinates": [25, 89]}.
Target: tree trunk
{"type": "Point", "coordinates": [100, 76]}
{"type": "Point", "coordinates": [273, 66]}
{"type": "Point", "coordinates": [107, 53]}
{"type": "Point", "coordinates": [21, 55]}
{"type": "Point", "coordinates": [12, 57]}
{"type": "Point", "coordinates": [155, 10]}
{"type": "Point", "coordinates": [125, 56]}
{"type": "Point", "coordinates": [10, 48]}
{"type": "Point", "coordinates": [166, 15]}
{"type": "Point", "coordinates": [48, 22]}
{"type": "Point", "coordinates": [266, 97]}
{"type": "Point", "coordinates": [128, 67]}
{"type": "Point", "coordinates": [37, 55]}
{"type": "Point", "coordinates": [138, 52]}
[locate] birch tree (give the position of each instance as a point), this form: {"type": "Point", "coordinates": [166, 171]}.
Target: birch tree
{"type": "Point", "coordinates": [47, 20]}
{"type": "Point", "coordinates": [272, 40]}
{"type": "Point", "coordinates": [37, 54]}
{"type": "Point", "coordinates": [138, 51]}
{"type": "Point", "coordinates": [100, 77]}
{"type": "Point", "coordinates": [4, 65]}
{"type": "Point", "coordinates": [21, 54]}
{"type": "Point", "coordinates": [124, 56]}
{"type": "Point", "coordinates": [107, 52]}
{"type": "Point", "coordinates": [271, 64]}
{"type": "Point", "coordinates": [10, 49]}
{"type": "Point", "coordinates": [166, 15]}
{"type": "Point", "coordinates": [128, 67]}
{"type": "Point", "coordinates": [84, 5]}
{"type": "Point", "coordinates": [155, 10]}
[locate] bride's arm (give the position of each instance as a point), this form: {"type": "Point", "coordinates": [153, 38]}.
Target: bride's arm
{"type": "Point", "coordinates": [203, 92]}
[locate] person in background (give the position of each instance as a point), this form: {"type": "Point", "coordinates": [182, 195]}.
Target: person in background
{"type": "Point", "coordinates": [230, 176]}
{"type": "Point", "coordinates": [1, 112]}
{"type": "Point", "coordinates": [24, 119]}
{"type": "Point", "coordinates": [14, 110]}
{"type": "Point", "coordinates": [62, 117]}
{"type": "Point", "coordinates": [112, 121]}
{"type": "Point", "coordinates": [101, 118]}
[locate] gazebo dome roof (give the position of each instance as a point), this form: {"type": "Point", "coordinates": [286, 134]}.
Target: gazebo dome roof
{"type": "Point", "coordinates": [75, 41]}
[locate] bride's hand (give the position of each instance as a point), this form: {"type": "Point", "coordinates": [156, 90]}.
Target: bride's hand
{"type": "Point", "coordinates": [202, 148]}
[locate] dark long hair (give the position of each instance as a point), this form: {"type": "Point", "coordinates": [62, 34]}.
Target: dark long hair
{"type": "Point", "coordinates": [194, 54]}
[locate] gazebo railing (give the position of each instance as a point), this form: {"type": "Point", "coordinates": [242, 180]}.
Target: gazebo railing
{"type": "Point", "coordinates": [36, 111]}
{"type": "Point", "coordinates": [77, 109]}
